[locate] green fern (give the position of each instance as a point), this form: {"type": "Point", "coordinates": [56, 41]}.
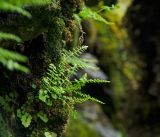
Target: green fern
{"type": "Point", "coordinates": [107, 8]}
{"type": "Point", "coordinates": [42, 116]}
{"type": "Point", "coordinates": [16, 5]}
{"type": "Point", "coordinates": [88, 13]}
{"type": "Point", "coordinates": [7, 36]}
{"type": "Point", "coordinates": [25, 117]}
{"type": "Point", "coordinates": [9, 7]}
{"type": "Point", "coordinates": [57, 84]}
{"type": "Point", "coordinates": [8, 58]}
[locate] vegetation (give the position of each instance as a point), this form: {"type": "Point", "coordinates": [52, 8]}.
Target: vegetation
{"type": "Point", "coordinates": [41, 78]}
{"type": "Point", "coordinates": [79, 126]}
{"type": "Point", "coordinates": [42, 103]}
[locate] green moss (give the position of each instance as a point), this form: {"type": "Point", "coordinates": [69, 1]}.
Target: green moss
{"type": "Point", "coordinates": [78, 128]}
{"type": "Point", "coordinates": [54, 39]}
{"type": "Point", "coordinates": [43, 40]}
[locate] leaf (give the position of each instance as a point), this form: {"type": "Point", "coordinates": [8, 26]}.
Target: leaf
{"type": "Point", "coordinates": [43, 96]}
{"type": "Point", "coordinates": [42, 116]}
{"type": "Point", "coordinates": [12, 55]}
{"type": "Point", "coordinates": [57, 84]}
{"type": "Point", "coordinates": [16, 6]}
{"type": "Point", "coordinates": [107, 8]}
{"type": "Point", "coordinates": [6, 36]}
{"type": "Point", "coordinates": [10, 60]}
{"type": "Point", "coordinates": [50, 134]}
{"type": "Point", "coordinates": [29, 2]}
{"type": "Point", "coordinates": [88, 13]}
{"type": "Point", "coordinates": [26, 119]}
{"type": "Point", "coordinates": [9, 7]}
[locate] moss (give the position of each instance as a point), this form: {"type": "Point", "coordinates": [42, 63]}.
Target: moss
{"type": "Point", "coordinates": [54, 42]}
{"type": "Point", "coordinates": [42, 43]}
{"type": "Point", "coordinates": [78, 128]}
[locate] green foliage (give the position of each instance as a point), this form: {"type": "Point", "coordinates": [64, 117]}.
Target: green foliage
{"type": "Point", "coordinates": [16, 5]}
{"type": "Point", "coordinates": [50, 134]}
{"type": "Point", "coordinates": [4, 103]}
{"type": "Point", "coordinates": [42, 116]}
{"type": "Point", "coordinates": [6, 36]}
{"type": "Point", "coordinates": [9, 7]}
{"type": "Point", "coordinates": [6, 100]}
{"type": "Point", "coordinates": [9, 59]}
{"type": "Point", "coordinates": [3, 128]}
{"type": "Point", "coordinates": [107, 8]}
{"type": "Point", "coordinates": [87, 13]}
{"type": "Point", "coordinates": [25, 117]}
{"type": "Point", "coordinates": [79, 128]}
{"type": "Point", "coordinates": [57, 84]}
{"type": "Point", "coordinates": [28, 2]}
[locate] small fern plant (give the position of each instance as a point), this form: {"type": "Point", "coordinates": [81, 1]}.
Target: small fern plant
{"type": "Point", "coordinates": [57, 84]}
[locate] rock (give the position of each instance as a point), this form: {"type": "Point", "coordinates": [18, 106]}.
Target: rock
{"type": "Point", "coordinates": [94, 116]}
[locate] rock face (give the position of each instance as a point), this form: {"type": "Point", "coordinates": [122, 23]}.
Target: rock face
{"type": "Point", "coordinates": [43, 36]}
{"type": "Point", "coordinates": [143, 112]}
{"type": "Point", "coordinates": [93, 115]}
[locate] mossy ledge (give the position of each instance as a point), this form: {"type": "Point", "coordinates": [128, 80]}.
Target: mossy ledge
{"type": "Point", "coordinates": [43, 40]}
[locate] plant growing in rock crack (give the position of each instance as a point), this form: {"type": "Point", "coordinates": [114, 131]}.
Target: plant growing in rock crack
{"type": "Point", "coordinates": [56, 85]}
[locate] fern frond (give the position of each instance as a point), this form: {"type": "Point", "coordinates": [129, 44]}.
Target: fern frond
{"type": "Point", "coordinates": [73, 58]}
{"type": "Point", "coordinates": [10, 59]}
{"type": "Point", "coordinates": [80, 98]}
{"type": "Point", "coordinates": [13, 8]}
{"type": "Point", "coordinates": [109, 8]}
{"type": "Point", "coordinates": [75, 53]}
{"type": "Point", "coordinates": [12, 55]}
{"type": "Point", "coordinates": [88, 13]}
{"type": "Point", "coordinates": [28, 2]}
{"type": "Point", "coordinates": [6, 36]}
{"type": "Point", "coordinates": [97, 81]}
{"type": "Point", "coordinates": [16, 5]}
{"type": "Point", "coordinates": [57, 85]}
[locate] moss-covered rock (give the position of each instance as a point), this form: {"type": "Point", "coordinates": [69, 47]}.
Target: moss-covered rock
{"type": "Point", "coordinates": [78, 128]}
{"type": "Point", "coordinates": [43, 38]}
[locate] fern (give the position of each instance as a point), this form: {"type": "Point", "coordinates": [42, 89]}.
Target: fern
{"type": "Point", "coordinates": [107, 8]}
{"type": "Point", "coordinates": [88, 13]}
{"type": "Point", "coordinates": [42, 116]}
{"type": "Point", "coordinates": [7, 36]}
{"type": "Point", "coordinates": [28, 2]}
{"type": "Point", "coordinates": [50, 134]}
{"type": "Point", "coordinates": [25, 117]}
{"type": "Point", "coordinates": [8, 58]}
{"type": "Point", "coordinates": [57, 84]}
{"type": "Point", "coordinates": [9, 7]}
{"type": "Point", "coordinates": [16, 5]}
